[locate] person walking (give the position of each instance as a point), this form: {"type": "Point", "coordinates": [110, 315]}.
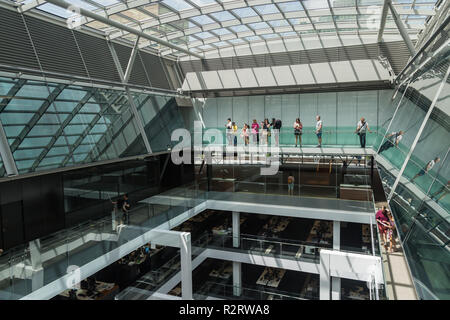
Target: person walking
{"type": "Point", "coordinates": [427, 168]}
{"type": "Point", "coordinates": [298, 127]}
{"type": "Point", "coordinates": [234, 128]}
{"type": "Point", "coordinates": [382, 223]}
{"type": "Point", "coordinates": [267, 127]}
{"type": "Point", "coordinates": [393, 139]}
{"type": "Point", "coordinates": [123, 205]}
{"type": "Point", "coordinates": [361, 128]}
{"type": "Point", "coordinates": [291, 181]}
{"type": "Point", "coordinates": [319, 126]}
{"type": "Point", "coordinates": [277, 128]}
{"type": "Point", "coordinates": [390, 235]}
{"type": "Point", "coordinates": [245, 134]}
{"type": "Point", "coordinates": [255, 131]}
{"type": "Point", "coordinates": [229, 132]}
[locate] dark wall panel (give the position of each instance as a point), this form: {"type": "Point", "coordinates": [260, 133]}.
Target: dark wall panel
{"type": "Point", "coordinates": [56, 47]}
{"type": "Point", "coordinates": [11, 214]}
{"type": "Point", "coordinates": [97, 57]}
{"type": "Point", "coordinates": [42, 206]}
{"type": "Point", "coordinates": [138, 75]}
{"type": "Point", "coordinates": [15, 45]}
{"type": "Point", "coordinates": [155, 71]}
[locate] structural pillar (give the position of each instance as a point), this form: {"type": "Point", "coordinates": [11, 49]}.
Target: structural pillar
{"type": "Point", "coordinates": [37, 277]}
{"type": "Point", "coordinates": [237, 278]}
{"type": "Point", "coordinates": [324, 275]}
{"type": "Point", "coordinates": [335, 281]}
{"type": "Point", "coordinates": [6, 154]}
{"type": "Point", "coordinates": [186, 266]}
{"type": "Point", "coordinates": [236, 223]}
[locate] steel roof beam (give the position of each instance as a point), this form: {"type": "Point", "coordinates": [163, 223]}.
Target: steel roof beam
{"type": "Point", "coordinates": [87, 13]}
{"type": "Point", "coordinates": [401, 29]}
{"type": "Point", "coordinates": [384, 13]}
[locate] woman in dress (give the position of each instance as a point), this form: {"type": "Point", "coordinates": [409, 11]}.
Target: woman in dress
{"type": "Point", "coordinates": [298, 126]}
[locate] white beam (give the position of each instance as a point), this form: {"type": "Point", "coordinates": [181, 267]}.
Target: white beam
{"type": "Point", "coordinates": [402, 29]}
{"type": "Point", "coordinates": [384, 12]}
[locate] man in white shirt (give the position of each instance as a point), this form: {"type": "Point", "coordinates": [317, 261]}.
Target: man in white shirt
{"type": "Point", "coordinates": [361, 129]}
{"type": "Point", "coordinates": [427, 168]}
{"type": "Point", "coordinates": [396, 137]}
{"type": "Point", "coordinates": [319, 131]}
{"type": "Point", "coordinates": [229, 131]}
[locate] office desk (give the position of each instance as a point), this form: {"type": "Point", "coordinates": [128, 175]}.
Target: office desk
{"type": "Point", "coordinates": [175, 291]}
{"type": "Point", "coordinates": [274, 280]}
{"type": "Point", "coordinates": [103, 291]}
{"type": "Point", "coordinates": [222, 273]}
{"type": "Point", "coordinates": [326, 237]}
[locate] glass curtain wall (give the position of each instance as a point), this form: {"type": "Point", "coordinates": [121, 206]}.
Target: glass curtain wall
{"type": "Point", "coordinates": [51, 125]}
{"type": "Point", "coordinates": [339, 111]}
{"type": "Point", "coordinates": [420, 202]}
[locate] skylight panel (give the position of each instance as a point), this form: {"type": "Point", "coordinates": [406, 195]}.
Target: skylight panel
{"type": "Point", "coordinates": [204, 35]}
{"type": "Point", "coordinates": [315, 4]}
{"type": "Point", "coordinates": [221, 32]}
{"type": "Point", "coordinates": [221, 44]}
{"type": "Point", "coordinates": [222, 16]}
{"type": "Point", "coordinates": [239, 28]}
{"type": "Point", "coordinates": [203, 3]}
{"type": "Point", "coordinates": [270, 36]}
{"type": "Point", "coordinates": [259, 25]}
{"type": "Point", "coordinates": [245, 12]}
{"type": "Point", "coordinates": [288, 34]}
{"type": "Point", "coordinates": [236, 41]}
{"type": "Point", "coordinates": [177, 5]}
{"type": "Point", "coordinates": [290, 6]}
{"type": "Point", "coordinates": [205, 47]}
{"type": "Point", "coordinates": [278, 23]}
{"type": "Point", "coordinates": [106, 3]}
{"type": "Point", "coordinates": [267, 9]}
{"type": "Point", "coordinates": [252, 38]}
{"type": "Point", "coordinates": [202, 19]}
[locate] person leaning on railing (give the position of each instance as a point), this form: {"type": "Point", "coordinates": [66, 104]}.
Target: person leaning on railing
{"type": "Point", "coordinates": [395, 136]}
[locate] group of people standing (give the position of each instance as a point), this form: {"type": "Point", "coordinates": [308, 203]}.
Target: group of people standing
{"type": "Point", "coordinates": [265, 129]}
{"type": "Point", "coordinates": [257, 130]}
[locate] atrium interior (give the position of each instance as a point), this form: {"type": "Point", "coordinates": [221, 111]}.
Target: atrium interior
{"type": "Point", "coordinates": [224, 150]}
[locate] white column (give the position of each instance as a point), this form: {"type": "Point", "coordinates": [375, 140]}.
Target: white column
{"type": "Point", "coordinates": [35, 253]}
{"type": "Point", "coordinates": [335, 288]}
{"type": "Point", "coordinates": [237, 279]}
{"type": "Point", "coordinates": [186, 266]}
{"type": "Point", "coordinates": [236, 229]}
{"type": "Point", "coordinates": [37, 278]}
{"type": "Point", "coordinates": [113, 219]}
{"type": "Point", "coordinates": [324, 275]}
{"type": "Point", "coordinates": [336, 235]}
{"type": "Point", "coordinates": [335, 281]}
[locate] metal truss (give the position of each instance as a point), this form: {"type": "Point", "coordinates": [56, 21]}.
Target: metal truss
{"type": "Point", "coordinates": [179, 31]}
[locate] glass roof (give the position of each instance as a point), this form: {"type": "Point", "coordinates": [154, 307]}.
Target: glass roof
{"type": "Point", "coordinates": [203, 25]}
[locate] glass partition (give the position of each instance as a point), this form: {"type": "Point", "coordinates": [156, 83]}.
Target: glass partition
{"type": "Point", "coordinates": [340, 112]}
{"type": "Point", "coordinates": [51, 125]}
